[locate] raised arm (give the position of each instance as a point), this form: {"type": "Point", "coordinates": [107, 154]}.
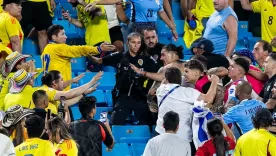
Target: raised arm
{"type": "Point", "coordinates": [210, 96]}
{"type": "Point", "coordinates": [154, 76]}
{"type": "Point", "coordinates": [168, 10]}
{"type": "Point", "coordinates": [246, 5]}
{"type": "Point", "coordinates": [231, 26]}
{"type": "Point", "coordinates": [79, 90]}
{"type": "Point", "coordinates": [172, 27]}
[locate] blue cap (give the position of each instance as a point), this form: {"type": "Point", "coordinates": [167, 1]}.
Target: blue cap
{"type": "Point", "coordinates": [204, 44]}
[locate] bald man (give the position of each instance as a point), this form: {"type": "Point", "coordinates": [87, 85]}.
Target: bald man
{"type": "Point", "coordinates": [242, 113]}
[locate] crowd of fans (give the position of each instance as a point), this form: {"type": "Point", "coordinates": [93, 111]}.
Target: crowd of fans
{"type": "Point", "coordinates": [220, 102]}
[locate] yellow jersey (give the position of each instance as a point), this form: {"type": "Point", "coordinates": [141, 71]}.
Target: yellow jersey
{"type": "Point", "coordinates": [35, 147]}
{"type": "Point", "coordinates": [97, 28]}
{"type": "Point", "coordinates": [255, 142]}
{"type": "Point", "coordinates": [1, 9]}
{"type": "Point", "coordinates": [4, 90]}
{"type": "Point", "coordinates": [60, 57]}
{"type": "Point", "coordinates": [204, 8]}
{"type": "Point", "coordinates": [49, 8]}
{"type": "Point", "coordinates": [9, 26]}
{"type": "Point", "coordinates": [66, 147]}
{"type": "Point", "coordinates": [24, 98]}
{"type": "Point", "coordinates": [268, 18]}
{"type": "Point", "coordinates": [53, 104]}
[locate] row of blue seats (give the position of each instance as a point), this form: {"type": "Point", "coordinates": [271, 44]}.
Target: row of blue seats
{"type": "Point", "coordinates": [122, 149]}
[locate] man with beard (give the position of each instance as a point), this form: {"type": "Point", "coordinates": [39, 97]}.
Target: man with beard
{"type": "Point", "coordinates": [152, 46]}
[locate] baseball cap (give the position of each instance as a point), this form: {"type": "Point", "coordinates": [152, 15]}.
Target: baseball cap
{"type": "Point", "coordinates": [203, 43]}
{"type": "Point", "coordinates": [5, 2]}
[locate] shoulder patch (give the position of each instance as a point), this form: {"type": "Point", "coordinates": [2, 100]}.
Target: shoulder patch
{"type": "Point", "coordinates": [153, 59]}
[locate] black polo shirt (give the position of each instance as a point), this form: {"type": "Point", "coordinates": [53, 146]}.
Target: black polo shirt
{"type": "Point", "coordinates": [155, 52]}
{"type": "Point", "coordinates": [266, 92]}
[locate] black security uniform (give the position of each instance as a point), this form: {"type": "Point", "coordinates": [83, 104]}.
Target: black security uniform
{"type": "Point", "coordinates": [131, 89]}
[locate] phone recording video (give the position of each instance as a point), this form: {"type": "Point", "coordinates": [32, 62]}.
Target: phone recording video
{"type": "Point", "coordinates": [103, 116]}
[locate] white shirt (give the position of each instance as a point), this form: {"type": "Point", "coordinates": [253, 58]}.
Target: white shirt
{"type": "Point", "coordinates": [180, 101]}
{"type": "Point", "coordinates": [6, 148]}
{"type": "Point", "coordinates": [167, 144]}
{"type": "Point", "coordinates": [111, 15]}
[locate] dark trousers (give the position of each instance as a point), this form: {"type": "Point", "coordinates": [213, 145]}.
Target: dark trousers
{"type": "Point", "coordinates": [125, 105]}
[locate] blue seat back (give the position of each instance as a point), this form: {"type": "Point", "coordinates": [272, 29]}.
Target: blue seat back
{"type": "Point", "coordinates": [78, 64]}
{"type": "Point", "coordinates": [109, 69]}
{"type": "Point", "coordinates": [177, 12]}
{"type": "Point", "coordinates": [162, 29]}
{"type": "Point", "coordinates": [106, 83]}
{"type": "Point", "coordinates": [119, 149]}
{"type": "Point", "coordinates": [165, 40]}
{"type": "Point", "coordinates": [137, 149]}
{"type": "Point", "coordinates": [71, 30]}
{"type": "Point", "coordinates": [131, 134]}
{"type": "Point", "coordinates": [180, 28]}
{"type": "Point", "coordinates": [180, 42]}
{"type": "Point", "coordinates": [30, 47]}
{"type": "Point", "coordinates": [108, 96]}
{"type": "Point", "coordinates": [99, 94]}
{"type": "Point", "coordinates": [37, 59]}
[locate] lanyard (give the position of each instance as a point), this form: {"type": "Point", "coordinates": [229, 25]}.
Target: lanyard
{"type": "Point", "coordinates": [167, 95]}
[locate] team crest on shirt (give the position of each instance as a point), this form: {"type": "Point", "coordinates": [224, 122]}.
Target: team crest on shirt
{"type": "Point", "coordinates": [155, 57]}
{"type": "Point", "coordinates": [140, 62]}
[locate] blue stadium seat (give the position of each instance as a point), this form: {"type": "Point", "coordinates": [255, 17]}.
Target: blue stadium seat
{"type": "Point", "coordinates": [177, 12]}
{"type": "Point", "coordinates": [30, 47]}
{"type": "Point", "coordinates": [82, 33]}
{"type": "Point", "coordinates": [241, 44]}
{"type": "Point", "coordinates": [77, 115]}
{"type": "Point", "coordinates": [179, 42]}
{"type": "Point", "coordinates": [119, 149]}
{"type": "Point", "coordinates": [162, 29]}
{"type": "Point", "coordinates": [180, 27]}
{"type": "Point", "coordinates": [99, 94]}
{"type": "Point", "coordinates": [106, 83]}
{"type": "Point", "coordinates": [131, 134]}
{"type": "Point", "coordinates": [108, 97]}
{"type": "Point", "coordinates": [75, 112]}
{"type": "Point", "coordinates": [188, 57]}
{"type": "Point", "coordinates": [165, 40]}
{"type": "Point", "coordinates": [74, 85]}
{"type": "Point", "coordinates": [137, 149]}
{"type": "Point", "coordinates": [243, 29]}
{"type": "Point", "coordinates": [78, 64]}
{"type": "Point", "coordinates": [109, 69]}
{"type": "Point", "coordinates": [71, 31]}
{"type": "Point", "coordinates": [61, 1]}
{"type": "Point", "coordinates": [37, 59]}
{"type": "Point", "coordinates": [252, 41]}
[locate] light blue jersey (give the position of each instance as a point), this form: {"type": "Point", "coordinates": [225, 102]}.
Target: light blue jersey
{"type": "Point", "coordinates": [145, 10]}
{"type": "Point", "coordinates": [215, 30]}
{"type": "Point", "coordinates": [242, 114]}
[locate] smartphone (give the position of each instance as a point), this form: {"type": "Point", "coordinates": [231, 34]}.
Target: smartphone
{"type": "Point", "coordinates": [61, 107]}
{"type": "Point", "coordinates": [103, 116]}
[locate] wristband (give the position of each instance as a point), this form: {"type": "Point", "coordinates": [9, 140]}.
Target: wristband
{"type": "Point", "coordinates": [145, 74]}
{"type": "Point", "coordinates": [99, 49]}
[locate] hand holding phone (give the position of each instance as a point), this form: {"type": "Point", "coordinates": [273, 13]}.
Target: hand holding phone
{"type": "Point", "coordinates": [103, 117]}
